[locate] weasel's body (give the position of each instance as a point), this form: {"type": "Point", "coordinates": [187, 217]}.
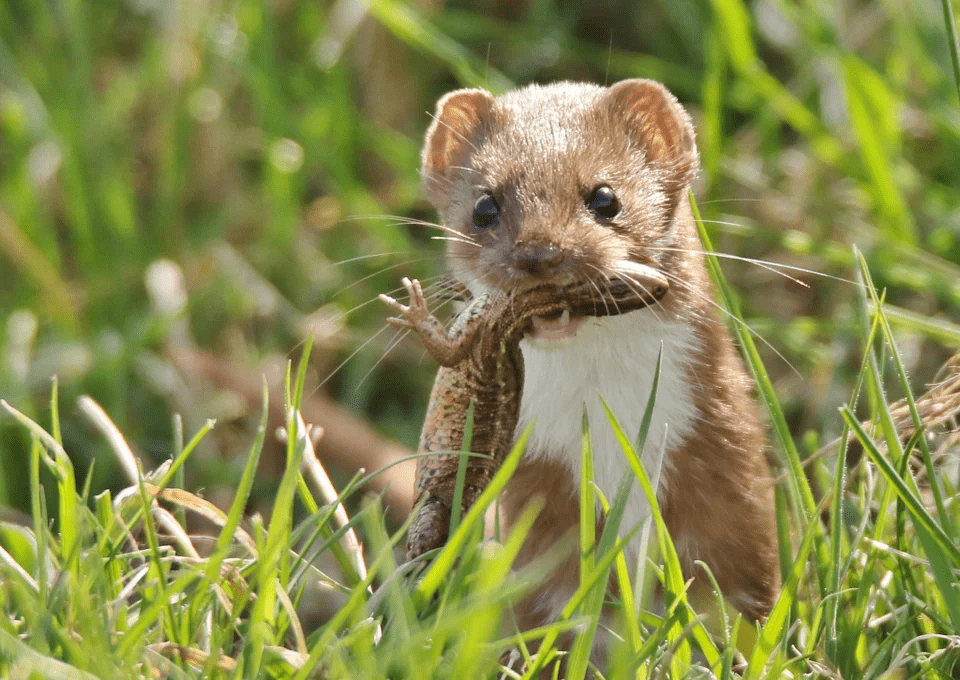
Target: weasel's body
{"type": "Point", "coordinates": [577, 183]}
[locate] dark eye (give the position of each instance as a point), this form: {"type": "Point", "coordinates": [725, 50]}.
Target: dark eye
{"type": "Point", "coordinates": [486, 212]}
{"type": "Point", "coordinates": [603, 203]}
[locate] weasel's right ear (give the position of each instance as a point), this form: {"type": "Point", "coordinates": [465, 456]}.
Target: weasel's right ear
{"type": "Point", "coordinates": [459, 117]}
{"type": "Point", "coordinates": [657, 122]}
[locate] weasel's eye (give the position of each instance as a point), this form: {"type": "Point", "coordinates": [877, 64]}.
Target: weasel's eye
{"type": "Point", "coordinates": [486, 212]}
{"type": "Point", "coordinates": [603, 203]}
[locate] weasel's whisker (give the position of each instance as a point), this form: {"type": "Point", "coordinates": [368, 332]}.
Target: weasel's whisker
{"type": "Point", "coordinates": [597, 287]}
{"type": "Point", "coordinates": [391, 344]}
{"type": "Point", "coordinates": [439, 227]}
{"type": "Point", "coordinates": [456, 132]}
{"type": "Point", "coordinates": [386, 269]}
{"type": "Point", "coordinates": [713, 201]}
{"type": "Point", "coordinates": [723, 223]}
{"type": "Point", "coordinates": [361, 305]}
{"type": "Point", "coordinates": [349, 358]}
{"type": "Point", "coordinates": [766, 264]}
{"type": "Point", "coordinates": [634, 285]}
{"type": "Point", "coordinates": [402, 333]}
{"type": "Point", "coordinates": [360, 258]}
{"type": "Point", "coordinates": [600, 294]}
{"type": "Point", "coordinates": [465, 169]}
{"type": "Point", "coordinates": [466, 275]}
{"type": "Point", "coordinates": [456, 240]}
{"type": "Point", "coordinates": [397, 220]}
{"type": "Point", "coordinates": [769, 266]}
{"type": "Point", "coordinates": [706, 298]}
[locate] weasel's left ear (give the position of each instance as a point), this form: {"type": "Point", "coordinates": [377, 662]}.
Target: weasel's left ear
{"type": "Point", "coordinates": [457, 126]}
{"type": "Point", "coordinates": [656, 122]}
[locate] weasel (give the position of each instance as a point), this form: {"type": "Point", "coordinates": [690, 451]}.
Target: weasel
{"type": "Point", "coordinates": [574, 183]}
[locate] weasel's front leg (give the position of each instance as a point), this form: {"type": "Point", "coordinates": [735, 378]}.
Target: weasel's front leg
{"type": "Point", "coordinates": [448, 348]}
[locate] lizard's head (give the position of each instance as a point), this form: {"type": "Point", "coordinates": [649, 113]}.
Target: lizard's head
{"type": "Point", "coordinates": [556, 312]}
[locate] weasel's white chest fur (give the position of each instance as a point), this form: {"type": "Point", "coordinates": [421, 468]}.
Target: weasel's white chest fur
{"type": "Point", "coordinates": [615, 357]}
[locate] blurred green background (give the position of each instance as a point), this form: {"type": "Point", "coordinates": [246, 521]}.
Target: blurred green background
{"type": "Point", "coordinates": [189, 189]}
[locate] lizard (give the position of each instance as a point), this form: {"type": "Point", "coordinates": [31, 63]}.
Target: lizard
{"type": "Point", "coordinates": [481, 363]}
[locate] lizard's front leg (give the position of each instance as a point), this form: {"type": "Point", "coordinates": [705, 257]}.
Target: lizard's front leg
{"type": "Point", "coordinates": [448, 348]}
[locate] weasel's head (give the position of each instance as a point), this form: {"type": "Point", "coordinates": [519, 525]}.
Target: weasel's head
{"type": "Point", "coordinates": [565, 184]}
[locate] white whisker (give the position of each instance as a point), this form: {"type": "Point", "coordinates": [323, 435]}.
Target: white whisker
{"type": "Point", "coordinates": [713, 303]}
{"type": "Point", "coordinates": [456, 240]}
{"type": "Point", "coordinates": [765, 264]}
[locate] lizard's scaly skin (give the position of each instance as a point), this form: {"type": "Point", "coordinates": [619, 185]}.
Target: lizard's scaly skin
{"type": "Point", "coordinates": [481, 362]}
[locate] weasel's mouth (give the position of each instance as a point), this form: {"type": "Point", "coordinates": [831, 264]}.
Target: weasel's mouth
{"type": "Point", "coordinates": [556, 326]}
{"type": "Point", "coordinates": [644, 286]}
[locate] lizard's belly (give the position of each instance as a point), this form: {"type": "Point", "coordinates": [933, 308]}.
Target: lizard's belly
{"type": "Point", "coordinates": [615, 357]}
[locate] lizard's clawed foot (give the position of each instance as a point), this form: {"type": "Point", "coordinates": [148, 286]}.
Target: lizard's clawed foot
{"type": "Point", "coordinates": [414, 314]}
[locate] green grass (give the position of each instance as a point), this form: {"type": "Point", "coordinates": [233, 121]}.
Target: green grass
{"type": "Point", "coordinates": [246, 146]}
{"type": "Point", "coordinates": [104, 596]}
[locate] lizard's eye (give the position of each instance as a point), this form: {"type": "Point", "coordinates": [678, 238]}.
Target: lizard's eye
{"type": "Point", "coordinates": [603, 203]}
{"type": "Point", "coordinates": [486, 212]}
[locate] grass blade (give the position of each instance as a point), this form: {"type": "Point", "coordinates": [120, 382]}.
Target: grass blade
{"type": "Point", "coordinates": [893, 437]}
{"type": "Point", "coordinates": [951, 25]}
{"type": "Point", "coordinates": [871, 105]}
{"type": "Point", "coordinates": [774, 629]}
{"type": "Point", "coordinates": [904, 490]}
{"type": "Point", "coordinates": [29, 661]}
{"type": "Point", "coordinates": [235, 514]}
{"type": "Point", "coordinates": [456, 509]}
{"type": "Point", "coordinates": [579, 656]}
{"type": "Point", "coordinates": [674, 587]}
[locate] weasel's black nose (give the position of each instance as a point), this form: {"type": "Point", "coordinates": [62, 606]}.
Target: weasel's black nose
{"type": "Point", "coordinates": [537, 259]}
